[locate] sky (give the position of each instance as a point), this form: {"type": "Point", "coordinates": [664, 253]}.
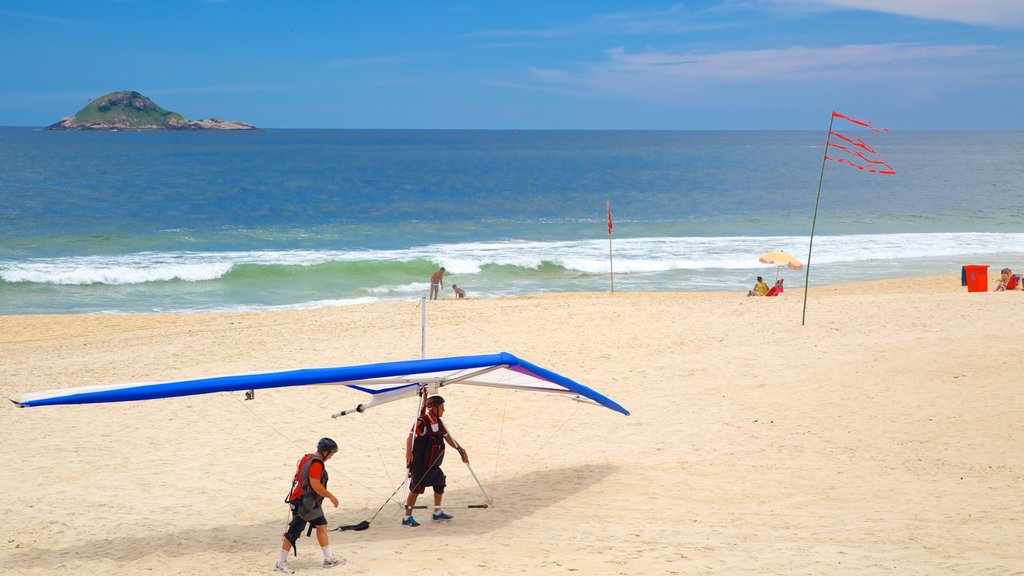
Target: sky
{"type": "Point", "coordinates": [524, 64]}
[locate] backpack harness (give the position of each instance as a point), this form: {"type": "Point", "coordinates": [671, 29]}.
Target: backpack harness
{"type": "Point", "coordinates": [302, 485]}
{"type": "Point", "coordinates": [428, 448]}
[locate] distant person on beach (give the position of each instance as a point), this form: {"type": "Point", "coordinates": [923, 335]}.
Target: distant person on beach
{"type": "Point", "coordinates": [459, 292]}
{"type": "Point", "coordinates": [760, 288]}
{"type": "Point", "coordinates": [309, 489]}
{"type": "Point", "coordinates": [424, 452]}
{"type": "Point", "coordinates": [1007, 281]}
{"type": "Point", "coordinates": [436, 283]}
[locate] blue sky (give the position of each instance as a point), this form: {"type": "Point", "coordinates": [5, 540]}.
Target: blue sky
{"type": "Point", "coordinates": [582, 64]}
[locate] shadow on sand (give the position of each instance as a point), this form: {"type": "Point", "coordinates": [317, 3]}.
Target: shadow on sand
{"type": "Point", "coordinates": [514, 498]}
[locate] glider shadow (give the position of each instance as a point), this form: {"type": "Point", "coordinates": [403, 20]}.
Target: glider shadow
{"type": "Point", "coordinates": [514, 498]}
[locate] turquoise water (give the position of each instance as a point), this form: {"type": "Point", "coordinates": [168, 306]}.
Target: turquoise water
{"type": "Point", "coordinates": [138, 222]}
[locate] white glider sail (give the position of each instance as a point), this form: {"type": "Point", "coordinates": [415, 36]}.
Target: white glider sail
{"type": "Point", "coordinates": [384, 382]}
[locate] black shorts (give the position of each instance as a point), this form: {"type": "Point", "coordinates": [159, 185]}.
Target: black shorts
{"type": "Point", "coordinates": [298, 525]}
{"type": "Point", "coordinates": [429, 477]}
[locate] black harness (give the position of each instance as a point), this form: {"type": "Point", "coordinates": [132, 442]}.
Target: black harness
{"type": "Point", "coordinates": [302, 476]}
{"type": "Point", "coordinates": [308, 501]}
{"type": "Point", "coordinates": [428, 449]}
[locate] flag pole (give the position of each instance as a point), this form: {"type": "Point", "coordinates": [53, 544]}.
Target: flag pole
{"type": "Point", "coordinates": [814, 219]}
{"type": "Point", "coordinates": [611, 270]}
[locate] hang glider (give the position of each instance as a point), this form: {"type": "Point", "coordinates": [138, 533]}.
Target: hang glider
{"type": "Point", "coordinates": [384, 382]}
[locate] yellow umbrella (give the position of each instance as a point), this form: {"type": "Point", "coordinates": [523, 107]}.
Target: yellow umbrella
{"type": "Point", "coordinates": [780, 259]}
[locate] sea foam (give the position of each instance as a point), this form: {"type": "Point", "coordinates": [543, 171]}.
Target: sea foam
{"type": "Point", "coordinates": [629, 256]}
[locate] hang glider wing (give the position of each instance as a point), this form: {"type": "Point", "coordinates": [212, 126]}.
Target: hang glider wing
{"type": "Point", "coordinates": [384, 382]}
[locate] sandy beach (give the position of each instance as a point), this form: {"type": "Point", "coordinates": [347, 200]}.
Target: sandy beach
{"type": "Point", "coordinates": [883, 437]}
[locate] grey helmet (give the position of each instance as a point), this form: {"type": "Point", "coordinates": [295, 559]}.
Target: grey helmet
{"type": "Point", "coordinates": [326, 445]}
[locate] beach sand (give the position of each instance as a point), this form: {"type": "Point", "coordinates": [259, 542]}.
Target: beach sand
{"type": "Point", "coordinates": [883, 437]}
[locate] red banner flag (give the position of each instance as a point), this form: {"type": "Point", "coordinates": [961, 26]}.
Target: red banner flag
{"type": "Point", "coordinates": [872, 162]}
{"type": "Point", "coordinates": [860, 151]}
{"type": "Point", "coordinates": [863, 123]}
{"type": "Point", "coordinates": [608, 205]}
{"type": "Point", "coordinates": [855, 141]}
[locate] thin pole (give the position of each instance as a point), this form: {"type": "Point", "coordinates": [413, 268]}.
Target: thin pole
{"type": "Point", "coordinates": [423, 329]}
{"type": "Point", "coordinates": [814, 219]}
{"type": "Point", "coordinates": [487, 497]}
{"type": "Point", "coordinates": [611, 269]}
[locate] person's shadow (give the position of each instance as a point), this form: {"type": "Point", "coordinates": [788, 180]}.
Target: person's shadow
{"type": "Point", "coordinates": [514, 498]}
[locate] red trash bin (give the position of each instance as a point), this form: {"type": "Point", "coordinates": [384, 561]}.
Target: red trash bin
{"type": "Point", "coordinates": [975, 277]}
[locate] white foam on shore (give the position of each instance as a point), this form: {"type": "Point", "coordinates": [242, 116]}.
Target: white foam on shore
{"type": "Point", "coordinates": [631, 256]}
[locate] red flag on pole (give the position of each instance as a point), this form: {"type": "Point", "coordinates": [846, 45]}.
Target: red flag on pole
{"type": "Point", "coordinates": [608, 205]}
{"type": "Point", "coordinates": [866, 158]}
{"type": "Point", "coordinates": [863, 123]}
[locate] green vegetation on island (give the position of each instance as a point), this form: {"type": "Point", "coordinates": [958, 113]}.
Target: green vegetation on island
{"type": "Point", "coordinates": [130, 110]}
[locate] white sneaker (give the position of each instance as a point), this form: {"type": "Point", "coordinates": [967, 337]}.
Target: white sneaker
{"type": "Point", "coordinates": [333, 563]}
{"type": "Point", "coordinates": [284, 567]}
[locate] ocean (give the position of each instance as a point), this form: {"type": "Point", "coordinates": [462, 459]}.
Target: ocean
{"type": "Point", "coordinates": [129, 222]}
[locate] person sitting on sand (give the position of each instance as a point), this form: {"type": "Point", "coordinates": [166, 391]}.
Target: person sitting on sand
{"type": "Point", "coordinates": [760, 288]}
{"type": "Point", "coordinates": [1007, 280]}
{"type": "Point", "coordinates": [777, 289]}
{"type": "Point", "coordinates": [459, 292]}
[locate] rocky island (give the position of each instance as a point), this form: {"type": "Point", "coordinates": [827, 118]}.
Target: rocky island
{"type": "Point", "coordinates": [130, 110]}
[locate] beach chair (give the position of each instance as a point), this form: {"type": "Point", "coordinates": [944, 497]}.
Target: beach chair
{"type": "Point", "coordinates": [777, 289]}
{"type": "Point", "coordinates": [1013, 283]}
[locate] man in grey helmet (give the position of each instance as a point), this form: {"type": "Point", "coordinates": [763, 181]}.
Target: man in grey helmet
{"type": "Point", "coordinates": [309, 490]}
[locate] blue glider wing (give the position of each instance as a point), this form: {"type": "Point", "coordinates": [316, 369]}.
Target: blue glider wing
{"type": "Point", "coordinates": [384, 382]}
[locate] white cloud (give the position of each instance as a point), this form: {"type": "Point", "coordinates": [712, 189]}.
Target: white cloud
{"type": "Point", "coordinates": [677, 19]}
{"type": "Point", "coordinates": [240, 89]}
{"type": "Point", "coordinates": [760, 65]}
{"type": "Point", "coordinates": [994, 13]}
{"type": "Point", "coordinates": [39, 18]}
{"type": "Point", "coordinates": [364, 61]}
{"type": "Point", "coordinates": [539, 33]}
{"type": "Point", "coordinates": [726, 14]}
{"type": "Point", "coordinates": [655, 75]}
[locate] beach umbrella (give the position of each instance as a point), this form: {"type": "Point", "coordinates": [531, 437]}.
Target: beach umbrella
{"type": "Point", "coordinates": [780, 259]}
